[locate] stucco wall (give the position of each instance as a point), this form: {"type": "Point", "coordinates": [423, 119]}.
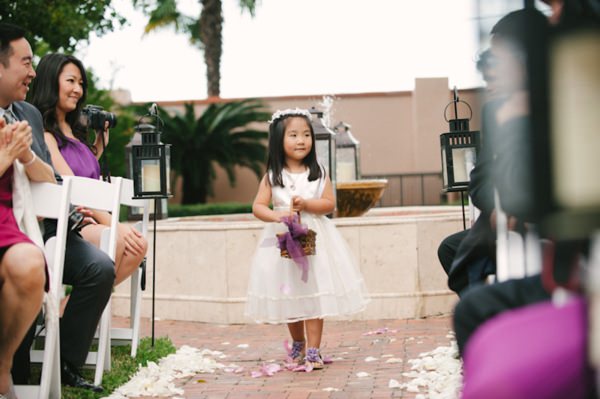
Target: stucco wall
{"type": "Point", "coordinates": [398, 131]}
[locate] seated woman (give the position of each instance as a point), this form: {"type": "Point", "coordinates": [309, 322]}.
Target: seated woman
{"type": "Point", "coordinates": [22, 264]}
{"type": "Point", "coordinates": [59, 92]}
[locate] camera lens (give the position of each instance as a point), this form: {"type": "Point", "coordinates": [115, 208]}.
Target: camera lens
{"type": "Point", "coordinates": [94, 117]}
{"type": "Point", "coordinates": [111, 118]}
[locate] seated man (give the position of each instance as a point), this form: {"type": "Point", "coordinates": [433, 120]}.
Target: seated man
{"type": "Point", "coordinates": [22, 264]}
{"type": "Point", "coordinates": [87, 269]}
{"type": "Point", "coordinates": [482, 197]}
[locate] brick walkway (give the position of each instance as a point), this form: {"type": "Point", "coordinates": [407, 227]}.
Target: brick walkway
{"type": "Point", "coordinates": [343, 341]}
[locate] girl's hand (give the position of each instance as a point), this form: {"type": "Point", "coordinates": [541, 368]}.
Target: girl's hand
{"type": "Point", "coordinates": [134, 242]}
{"type": "Point", "coordinates": [280, 214]}
{"type": "Point", "coordinates": [298, 204]}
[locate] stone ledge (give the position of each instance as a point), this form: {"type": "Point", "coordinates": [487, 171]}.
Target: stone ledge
{"type": "Point", "coordinates": [202, 265]}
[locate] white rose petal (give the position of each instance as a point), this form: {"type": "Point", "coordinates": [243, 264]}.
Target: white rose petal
{"type": "Point", "coordinates": [394, 384]}
{"type": "Point", "coordinates": [158, 379]}
{"type": "Point", "coordinates": [394, 360]}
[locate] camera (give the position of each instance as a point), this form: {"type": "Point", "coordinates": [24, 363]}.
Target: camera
{"type": "Point", "coordinates": [94, 117]}
{"type": "Point", "coordinates": [75, 219]}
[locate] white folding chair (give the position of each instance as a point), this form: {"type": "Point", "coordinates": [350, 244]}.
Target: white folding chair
{"type": "Point", "coordinates": [131, 334]}
{"type": "Point", "coordinates": [50, 201]}
{"type": "Point", "coordinates": [516, 256]}
{"type": "Point", "coordinates": [100, 195]}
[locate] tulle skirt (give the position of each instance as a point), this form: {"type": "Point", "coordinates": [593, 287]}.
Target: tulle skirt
{"type": "Point", "coordinates": [276, 292]}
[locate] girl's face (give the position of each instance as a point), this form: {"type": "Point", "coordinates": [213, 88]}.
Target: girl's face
{"type": "Point", "coordinates": [70, 88]}
{"type": "Point", "coordinates": [297, 140]}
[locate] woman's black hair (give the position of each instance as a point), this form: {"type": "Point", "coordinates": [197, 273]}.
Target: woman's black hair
{"type": "Point", "coordinates": [276, 160]}
{"type": "Point", "coordinates": [44, 94]}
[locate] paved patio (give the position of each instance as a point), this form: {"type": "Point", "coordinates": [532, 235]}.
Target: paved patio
{"type": "Point", "coordinates": [348, 343]}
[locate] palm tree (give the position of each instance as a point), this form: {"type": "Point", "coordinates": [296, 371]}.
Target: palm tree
{"type": "Point", "coordinates": [206, 32]}
{"type": "Point", "coordinates": [220, 136]}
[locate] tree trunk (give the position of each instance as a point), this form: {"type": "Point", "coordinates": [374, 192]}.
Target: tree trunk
{"type": "Point", "coordinates": [195, 183]}
{"type": "Point", "coordinates": [211, 28]}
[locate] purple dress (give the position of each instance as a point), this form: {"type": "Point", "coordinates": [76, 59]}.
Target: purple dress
{"type": "Point", "coordinates": [80, 158]}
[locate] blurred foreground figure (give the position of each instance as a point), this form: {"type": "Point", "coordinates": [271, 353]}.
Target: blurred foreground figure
{"type": "Point", "coordinates": [516, 342]}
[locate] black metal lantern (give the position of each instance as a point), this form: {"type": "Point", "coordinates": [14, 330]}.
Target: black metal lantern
{"type": "Point", "coordinates": [150, 161]}
{"type": "Point", "coordinates": [134, 213]}
{"type": "Point", "coordinates": [347, 153]}
{"type": "Point", "coordinates": [572, 189]}
{"type": "Point", "coordinates": [459, 149]}
{"type": "Point", "coordinates": [325, 143]}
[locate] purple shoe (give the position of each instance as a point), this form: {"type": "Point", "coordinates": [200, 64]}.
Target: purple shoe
{"type": "Point", "coordinates": [297, 352]}
{"type": "Point", "coordinates": [313, 359]}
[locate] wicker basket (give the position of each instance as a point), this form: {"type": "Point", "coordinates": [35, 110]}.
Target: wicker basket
{"type": "Point", "coordinates": [308, 241]}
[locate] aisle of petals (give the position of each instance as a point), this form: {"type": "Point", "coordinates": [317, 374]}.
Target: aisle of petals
{"type": "Point", "coordinates": [434, 375]}
{"type": "Point", "coordinates": [159, 379]}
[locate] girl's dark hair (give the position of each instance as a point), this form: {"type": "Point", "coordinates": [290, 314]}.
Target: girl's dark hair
{"type": "Point", "coordinates": [44, 95]}
{"type": "Point", "coordinates": [276, 160]}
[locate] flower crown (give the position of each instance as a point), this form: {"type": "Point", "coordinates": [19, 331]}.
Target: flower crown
{"type": "Point", "coordinates": [280, 113]}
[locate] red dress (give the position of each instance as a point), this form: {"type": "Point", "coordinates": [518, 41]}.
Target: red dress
{"type": "Point", "coordinates": [10, 234]}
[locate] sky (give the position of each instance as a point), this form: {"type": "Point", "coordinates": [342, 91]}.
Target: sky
{"type": "Point", "coordinates": [295, 47]}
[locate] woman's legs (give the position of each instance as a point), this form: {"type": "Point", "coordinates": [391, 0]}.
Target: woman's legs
{"type": "Point", "coordinates": [22, 280]}
{"type": "Point", "coordinates": [126, 262]}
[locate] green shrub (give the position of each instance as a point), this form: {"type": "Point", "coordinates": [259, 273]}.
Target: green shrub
{"type": "Point", "coordinates": [123, 367]}
{"type": "Point", "coordinates": [223, 208]}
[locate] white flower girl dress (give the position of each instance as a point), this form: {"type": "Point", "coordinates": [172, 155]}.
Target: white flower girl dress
{"type": "Point", "coordinates": [276, 292]}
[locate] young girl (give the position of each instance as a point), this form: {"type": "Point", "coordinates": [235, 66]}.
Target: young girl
{"type": "Point", "coordinates": [59, 93]}
{"type": "Point", "coordinates": [278, 291]}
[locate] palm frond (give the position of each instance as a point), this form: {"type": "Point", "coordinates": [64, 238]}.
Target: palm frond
{"type": "Point", "coordinates": [222, 136]}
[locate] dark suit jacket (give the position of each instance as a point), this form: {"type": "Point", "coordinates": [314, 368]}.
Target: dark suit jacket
{"type": "Point", "coordinates": [27, 112]}
{"type": "Point", "coordinates": [476, 254]}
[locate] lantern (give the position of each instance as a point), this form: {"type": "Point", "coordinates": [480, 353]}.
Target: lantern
{"type": "Point", "coordinates": [134, 213]}
{"type": "Point", "coordinates": [459, 150]}
{"type": "Point", "coordinates": [573, 191]}
{"type": "Point", "coordinates": [150, 161]}
{"type": "Point", "coordinates": [325, 143]}
{"type": "Point", "coordinates": [347, 154]}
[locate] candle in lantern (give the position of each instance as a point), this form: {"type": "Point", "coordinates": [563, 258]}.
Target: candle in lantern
{"type": "Point", "coordinates": [151, 177]}
{"type": "Point", "coordinates": [345, 171]}
{"type": "Point", "coordinates": [459, 165]}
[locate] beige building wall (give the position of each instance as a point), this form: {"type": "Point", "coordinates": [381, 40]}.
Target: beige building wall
{"type": "Point", "coordinates": [398, 131]}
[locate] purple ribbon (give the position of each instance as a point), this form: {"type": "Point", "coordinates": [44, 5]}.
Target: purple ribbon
{"type": "Point", "coordinates": [291, 241]}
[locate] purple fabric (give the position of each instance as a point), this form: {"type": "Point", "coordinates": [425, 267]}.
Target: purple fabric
{"type": "Point", "coordinates": [535, 352]}
{"type": "Point", "coordinates": [291, 241]}
{"type": "Point", "coordinates": [80, 158]}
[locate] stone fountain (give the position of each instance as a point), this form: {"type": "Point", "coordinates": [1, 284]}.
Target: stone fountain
{"type": "Point", "coordinates": [355, 196]}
